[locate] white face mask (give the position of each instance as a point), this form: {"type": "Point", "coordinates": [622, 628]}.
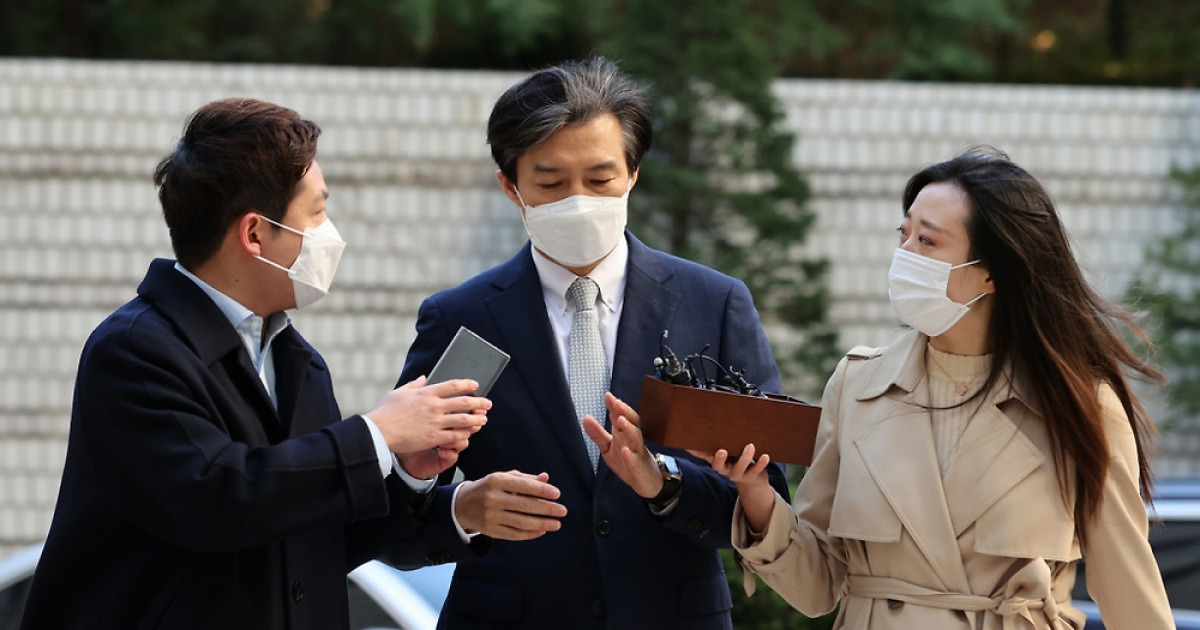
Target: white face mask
{"type": "Point", "coordinates": [579, 230]}
{"type": "Point", "coordinates": [313, 271]}
{"type": "Point", "coordinates": [917, 286]}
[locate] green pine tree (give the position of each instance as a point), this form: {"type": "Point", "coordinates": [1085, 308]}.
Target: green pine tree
{"type": "Point", "coordinates": [719, 185]}
{"type": "Point", "coordinates": [1169, 292]}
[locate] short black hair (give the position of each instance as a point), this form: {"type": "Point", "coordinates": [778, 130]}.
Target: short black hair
{"type": "Point", "coordinates": [235, 156]}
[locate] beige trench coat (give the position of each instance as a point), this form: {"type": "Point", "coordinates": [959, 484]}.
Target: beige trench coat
{"type": "Point", "coordinates": [990, 546]}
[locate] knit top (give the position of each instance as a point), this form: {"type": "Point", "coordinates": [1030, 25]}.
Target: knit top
{"type": "Point", "coordinates": [952, 379]}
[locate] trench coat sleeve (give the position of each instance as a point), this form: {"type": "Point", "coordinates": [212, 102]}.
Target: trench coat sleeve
{"type": "Point", "coordinates": [1122, 575]}
{"type": "Point", "coordinates": [796, 557]}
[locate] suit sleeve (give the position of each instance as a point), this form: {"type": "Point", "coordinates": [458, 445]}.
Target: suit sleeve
{"type": "Point", "coordinates": [166, 459]}
{"type": "Point", "coordinates": [1122, 574]}
{"type": "Point", "coordinates": [707, 498]}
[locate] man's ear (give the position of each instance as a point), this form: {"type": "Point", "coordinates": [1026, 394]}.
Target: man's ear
{"type": "Point", "coordinates": [633, 177]}
{"type": "Point", "coordinates": [251, 231]}
{"type": "Point", "coordinates": [510, 189]}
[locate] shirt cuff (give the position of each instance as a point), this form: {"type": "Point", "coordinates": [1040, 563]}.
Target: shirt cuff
{"type": "Point", "coordinates": [386, 459]}
{"type": "Point", "coordinates": [666, 511]}
{"type": "Point", "coordinates": [462, 533]}
{"type": "Point", "coordinates": [388, 462]}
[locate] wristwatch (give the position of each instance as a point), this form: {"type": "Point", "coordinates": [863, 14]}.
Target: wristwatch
{"type": "Point", "coordinates": [672, 482]}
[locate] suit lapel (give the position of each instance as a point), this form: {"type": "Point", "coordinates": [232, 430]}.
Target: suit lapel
{"type": "Point", "coordinates": [900, 456]}
{"type": "Point", "coordinates": [519, 313]}
{"type": "Point", "coordinates": [649, 308]}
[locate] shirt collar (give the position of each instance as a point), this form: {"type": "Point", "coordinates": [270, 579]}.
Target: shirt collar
{"type": "Point", "coordinates": [609, 276]}
{"type": "Point", "coordinates": [238, 315]}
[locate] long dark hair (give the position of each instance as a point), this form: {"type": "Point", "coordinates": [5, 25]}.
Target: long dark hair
{"type": "Point", "coordinates": [1058, 335]}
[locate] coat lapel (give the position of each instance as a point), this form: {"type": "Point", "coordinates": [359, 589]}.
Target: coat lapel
{"type": "Point", "coordinates": [211, 336]}
{"type": "Point", "coordinates": [994, 455]}
{"type": "Point", "coordinates": [292, 361]}
{"type": "Point", "coordinates": [519, 313]}
{"type": "Point", "coordinates": [900, 456]}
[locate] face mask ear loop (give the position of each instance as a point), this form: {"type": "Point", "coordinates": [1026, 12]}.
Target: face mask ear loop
{"type": "Point", "coordinates": [520, 198]}
{"type": "Point", "coordinates": [968, 264]}
{"type": "Point", "coordinates": [280, 225]}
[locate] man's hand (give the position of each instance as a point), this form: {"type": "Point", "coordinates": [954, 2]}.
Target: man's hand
{"type": "Point", "coordinates": [427, 425]}
{"type": "Point", "coordinates": [509, 506]}
{"type": "Point", "coordinates": [624, 450]}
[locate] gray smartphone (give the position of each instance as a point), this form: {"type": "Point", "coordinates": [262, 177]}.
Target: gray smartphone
{"type": "Point", "coordinates": [470, 356]}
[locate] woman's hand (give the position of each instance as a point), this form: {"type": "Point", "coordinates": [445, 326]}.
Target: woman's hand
{"type": "Point", "coordinates": [753, 485]}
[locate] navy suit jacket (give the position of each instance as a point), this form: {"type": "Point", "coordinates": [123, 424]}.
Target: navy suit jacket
{"type": "Point", "coordinates": [613, 564]}
{"type": "Point", "coordinates": [188, 501]}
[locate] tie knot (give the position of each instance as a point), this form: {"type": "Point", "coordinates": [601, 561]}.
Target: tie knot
{"type": "Point", "coordinates": [583, 293]}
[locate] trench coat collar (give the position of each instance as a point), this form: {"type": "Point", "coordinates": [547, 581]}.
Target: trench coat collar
{"type": "Point", "coordinates": [902, 364]}
{"type": "Point", "coordinates": [994, 454]}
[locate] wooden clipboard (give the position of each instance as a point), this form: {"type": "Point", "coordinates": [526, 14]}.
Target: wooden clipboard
{"type": "Point", "coordinates": [707, 420]}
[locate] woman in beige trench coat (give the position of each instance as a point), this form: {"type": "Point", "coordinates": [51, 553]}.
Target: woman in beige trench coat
{"type": "Point", "coordinates": [961, 471]}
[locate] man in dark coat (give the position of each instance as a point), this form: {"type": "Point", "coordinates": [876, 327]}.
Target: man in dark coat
{"type": "Point", "coordinates": [211, 481]}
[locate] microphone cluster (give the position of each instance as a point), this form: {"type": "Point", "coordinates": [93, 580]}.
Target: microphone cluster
{"type": "Point", "coordinates": [691, 371]}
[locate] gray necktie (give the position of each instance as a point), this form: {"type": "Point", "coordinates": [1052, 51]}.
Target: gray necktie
{"type": "Point", "coordinates": [587, 369]}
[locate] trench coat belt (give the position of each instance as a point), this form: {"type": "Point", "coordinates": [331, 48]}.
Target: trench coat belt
{"type": "Point", "coordinates": [1016, 612]}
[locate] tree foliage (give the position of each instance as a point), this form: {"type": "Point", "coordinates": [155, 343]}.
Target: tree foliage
{"type": "Point", "coordinates": [719, 186]}
{"type": "Point", "coordinates": [1169, 291]}
{"type": "Point", "coordinates": [1150, 42]}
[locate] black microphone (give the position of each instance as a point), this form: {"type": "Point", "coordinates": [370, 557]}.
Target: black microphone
{"type": "Point", "coordinates": [669, 368]}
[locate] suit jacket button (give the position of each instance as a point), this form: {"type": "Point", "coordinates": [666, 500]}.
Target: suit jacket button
{"type": "Point", "coordinates": [297, 591]}
{"type": "Point", "coordinates": [894, 604]}
{"type": "Point", "coordinates": [597, 608]}
{"type": "Point", "coordinates": [604, 527]}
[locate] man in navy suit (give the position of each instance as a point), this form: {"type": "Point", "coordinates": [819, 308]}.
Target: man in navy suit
{"type": "Point", "coordinates": [576, 546]}
{"type": "Point", "coordinates": [211, 481]}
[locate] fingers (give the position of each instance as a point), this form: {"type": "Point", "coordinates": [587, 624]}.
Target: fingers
{"type": "Point", "coordinates": [416, 383]}
{"type": "Point", "coordinates": [453, 387]}
{"type": "Point", "coordinates": [510, 505]}
{"type": "Point", "coordinates": [597, 434]}
{"type": "Point", "coordinates": [618, 407]}
{"type": "Point", "coordinates": [744, 468]}
{"type": "Point", "coordinates": [708, 457]}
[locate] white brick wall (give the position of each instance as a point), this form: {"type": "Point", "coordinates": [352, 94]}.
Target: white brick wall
{"type": "Point", "coordinates": [414, 195]}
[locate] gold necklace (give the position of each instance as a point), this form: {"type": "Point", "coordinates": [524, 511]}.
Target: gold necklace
{"type": "Point", "coordinates": [960, 387]}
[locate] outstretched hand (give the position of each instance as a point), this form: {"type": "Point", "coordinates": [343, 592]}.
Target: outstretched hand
{"type": "Point", "coordinates": [510, 505]}
{"type": "Point", "coordinates": [624, 450]}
